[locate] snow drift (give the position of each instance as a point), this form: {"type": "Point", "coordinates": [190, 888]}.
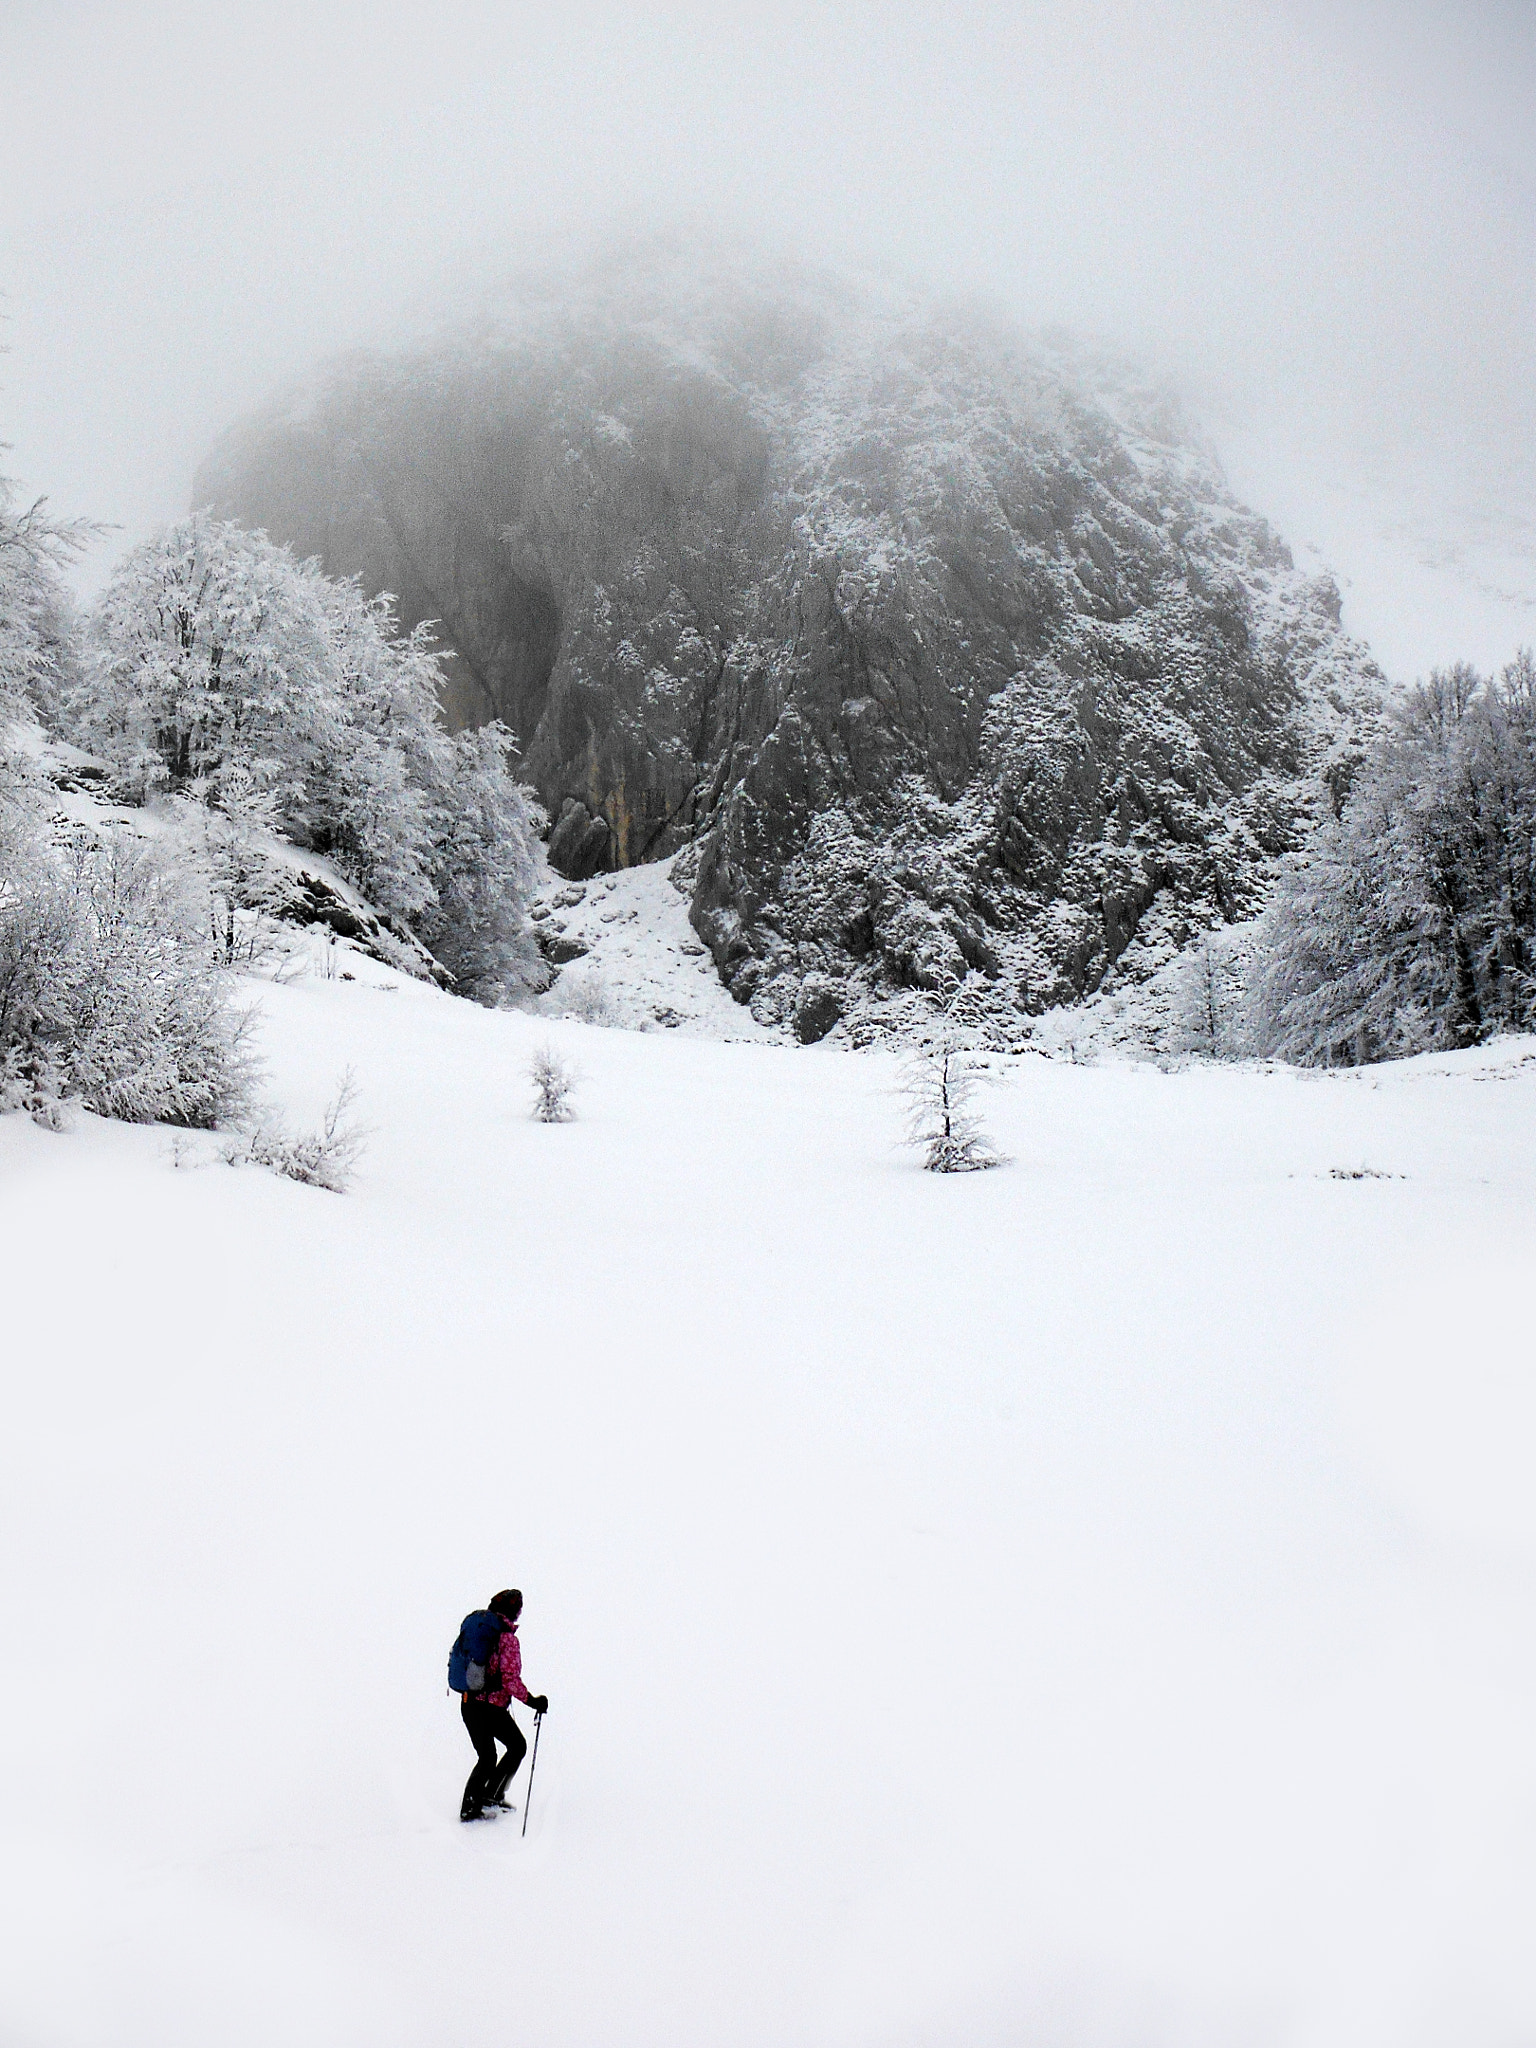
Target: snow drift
{"type": "Point", "coordinates": [1086, 1602]}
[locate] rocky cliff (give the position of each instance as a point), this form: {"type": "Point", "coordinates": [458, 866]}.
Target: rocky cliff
{"type": "Point", "coordinates": [932, 648]}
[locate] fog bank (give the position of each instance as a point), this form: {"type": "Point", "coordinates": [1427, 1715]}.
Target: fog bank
{"type": "Point", "coordinates": [1320, 219]}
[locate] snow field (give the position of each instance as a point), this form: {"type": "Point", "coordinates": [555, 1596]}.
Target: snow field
{"type": "Point", "coordinates": [1088, 1602]}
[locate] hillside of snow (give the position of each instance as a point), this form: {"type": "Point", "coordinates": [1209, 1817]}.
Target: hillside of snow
{"type": "Point", "coordinates": [624, 953]}
{"type": "Point", "coordinates": [1085, 1603]}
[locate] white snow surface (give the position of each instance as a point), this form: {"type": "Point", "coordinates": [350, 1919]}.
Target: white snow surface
{"type": "Point", "coordinates": [1087, 1604]}
{"type": "Point", "coordinates": [650, 968]}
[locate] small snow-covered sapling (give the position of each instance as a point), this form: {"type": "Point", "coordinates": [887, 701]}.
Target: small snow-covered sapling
{"type": "Point", "coordinates": [938, 1083]}
{"type": "Point", "coordinates": [553, 1082]}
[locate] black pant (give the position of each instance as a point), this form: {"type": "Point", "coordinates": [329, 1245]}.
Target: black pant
{"type": "Point", "coordinates": [490, 1778]}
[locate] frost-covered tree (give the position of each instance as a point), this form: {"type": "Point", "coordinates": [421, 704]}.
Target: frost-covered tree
{"type": "Point", "coordinates": [939, 1084]}
{"type": "Point", "coordinates": [109, 994]}
{"type": "Point", "coordinates": [483, 867]}
{"type": "Point", "coordinates": [225, 671]}
{"type": "Point", "coordinates": [372, 789]}
{"type": "Point", "coordinates": [210, 651]}
{"type": "Point", "coordinates": [943, 1072]}
{"type": "Point", "coordinates": [553, 1081]}
{"type": "Point", "coordinates": [1200, 1003]}
{"type": "Point", "coordinates": [36, 628]}
{"type": "Point", "coordinates": [1209, 1000]}
{"type": "Point", "coordinates": [433, 827]}
{"type": "Point", "coordinates": [1410, 921]}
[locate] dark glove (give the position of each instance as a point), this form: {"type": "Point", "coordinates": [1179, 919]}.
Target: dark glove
{"type": "Point", "coordinates": [539, 1703]}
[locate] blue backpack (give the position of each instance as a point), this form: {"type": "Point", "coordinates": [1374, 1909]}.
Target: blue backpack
{"type": "Point", "coordinates": [479, 1635]}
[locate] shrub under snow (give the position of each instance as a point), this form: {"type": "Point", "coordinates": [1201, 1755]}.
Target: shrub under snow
{"type": "Point", "coordinates": [553, 1082]}
{"type": "Point", "coordinates": [326, 1158]}
{"type": "Point", "coordinates": [109, 993]}
{"type": "Point", "coordinates": [582, 993]}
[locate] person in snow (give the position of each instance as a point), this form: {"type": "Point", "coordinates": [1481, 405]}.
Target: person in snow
{"type": "Point", "coordinates": [486, 1717]}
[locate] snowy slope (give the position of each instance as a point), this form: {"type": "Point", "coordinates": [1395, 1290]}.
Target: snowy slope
{"type": "Point", "coordinates": [641, 964]}
{"type": "Point", "coordinates": [1084, 1603]}
{"type": "Point", "coordinates": [78, 795]}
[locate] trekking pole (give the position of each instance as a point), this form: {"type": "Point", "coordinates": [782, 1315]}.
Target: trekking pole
{"type": "Point", "coordinates": [533, 1764]}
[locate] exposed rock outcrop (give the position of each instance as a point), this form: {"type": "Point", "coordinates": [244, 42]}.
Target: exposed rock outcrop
{"type": "Point", "coordinates": [579, 843]}
{"type": "Point", "coordinates": [942, 651]}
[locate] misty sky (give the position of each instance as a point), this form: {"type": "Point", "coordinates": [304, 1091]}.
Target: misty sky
{"type": "Point", "coordinates": [1322, 218]}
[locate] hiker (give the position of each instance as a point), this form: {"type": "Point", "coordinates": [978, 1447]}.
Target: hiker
{"type": "Point", "coordinates": [486, 1717]}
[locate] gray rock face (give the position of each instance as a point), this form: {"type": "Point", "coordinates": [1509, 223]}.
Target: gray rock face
{"type": "Point", "coordinates": [818, 1008]}
{"type": "Point", "coordinates": [579, 843]}
{"type": "Point", "coordinates": [942, 651]}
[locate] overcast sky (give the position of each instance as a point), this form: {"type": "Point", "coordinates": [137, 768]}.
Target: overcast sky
{"type": "Point", "coordinates": [1322, 217]}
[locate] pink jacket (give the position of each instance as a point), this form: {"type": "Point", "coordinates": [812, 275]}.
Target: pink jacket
{"type": "Point", "coordinates": [504, 1672]}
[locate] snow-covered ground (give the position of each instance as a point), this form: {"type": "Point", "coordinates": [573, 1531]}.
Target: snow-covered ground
{"type": "Point", "coordinates": [641, 963]}
{"type": "Point", "coordinates": [1086, 1603]}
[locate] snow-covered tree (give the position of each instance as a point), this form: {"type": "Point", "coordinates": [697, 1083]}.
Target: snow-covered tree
{"type": "Point", "coordinates": [553, 1081]}
{"type": "Point", "coordinates": [226, 672]}
{"type": "Point", "coordinates": [483, 867]}
{"type": "Point", "coordinates": [109, 994]}
{"type": "Point", "coordinates": [939, 1083]}
{"type": "Point", "coordinates": [1209, 1000]}
{"type": "Point", "coordinates": [1410, 921]}
{"type": "Point", "coordinates": [35, 618]}
{"type": "Point", "coordinates": [372, 788]}
{"type": "Point", "coordinates": [946, 1067]}
{"type": "Point", "coordinates": [210, 651]}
